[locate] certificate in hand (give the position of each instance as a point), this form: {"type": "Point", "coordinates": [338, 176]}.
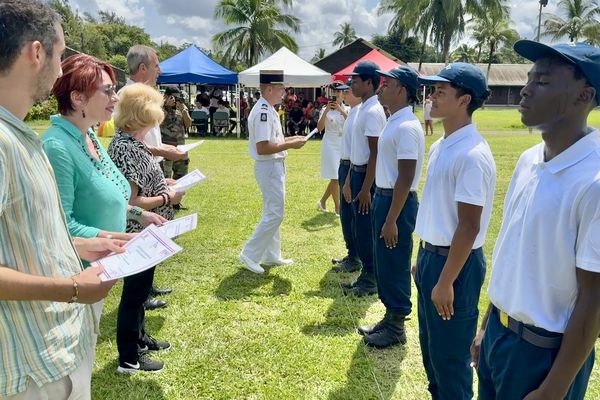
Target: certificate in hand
{"type": "Point", "coordinates": [189, 147]}
{"type": "Point", "coordinates": [150, 247]}
{"type": "Point", "coordinates": [188, 181]}
{"type": "Point", "coordinates": [312, 133]}
{"type": "Point", "coordinates": [179, 226]}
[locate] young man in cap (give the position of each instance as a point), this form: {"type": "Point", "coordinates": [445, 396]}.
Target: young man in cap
{"type": "Point", "coordinates": [268, 148]}
{"type": "Point", "coordinates": [401, 149]}
{"type": "Point", "coordinates": [452, 223]}
{"type": "Point", "coordinates": [351, 262]}
{"type": "Point", "coordinates": [544, 316]}
{"type": "Point", "coordinates": [358, 188]}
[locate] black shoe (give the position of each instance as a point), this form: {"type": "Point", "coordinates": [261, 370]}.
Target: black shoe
{"type": "Point", "coordinates": [159, 291]}
{"type": "Point", "coordinates": [144, 363]}
{"type": "Point", "coordinates": [369, 329]}
{"type": "Point", "coordinates": [393, 333]}
{"type": "Point", "coordinates": [361, 290]}
{"type": "Point", "coordinates": [348, 265]}
{"type": "Point", "coordinates": [151, 344]}
{"type": "Point", "coordinates": [154, 303]}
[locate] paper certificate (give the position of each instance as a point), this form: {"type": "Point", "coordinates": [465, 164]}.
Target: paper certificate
{"type": "Point", "coordinates": [188, 181]}
{"type": "Point", "coordinates": [179, 226]}
{"type": "Point", "coordinates": [312, 133]}
{"type": "Point", "coordinates": [148, 248]}
{"type": "Point", "coordinates": [188, 147]}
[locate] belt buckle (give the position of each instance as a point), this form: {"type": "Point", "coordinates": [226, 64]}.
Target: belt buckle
{"type": "Point", "coordinates": [504, 319]}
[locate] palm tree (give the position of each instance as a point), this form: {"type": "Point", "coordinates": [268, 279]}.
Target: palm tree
{"type": "Point", "coordinates": [493, 32]}
{"type": "Point", "coordinates": [319, 54]}
{"type": "Point", "coordinates": [582, 19]}
{"type": "Point", "coordinates": [345, 35]}
{"type": "Point", "coordinates": [256, 29]}
{"type": "Point", "coordinates": [463, 53]}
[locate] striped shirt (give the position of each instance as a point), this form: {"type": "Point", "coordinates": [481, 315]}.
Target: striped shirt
{"type": "Point", "coordinates": [39, 340]}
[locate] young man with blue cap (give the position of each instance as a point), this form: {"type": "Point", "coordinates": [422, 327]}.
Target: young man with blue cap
{"type": "Point", "coordinates": [452, 222]}
{"type": "Point", "coordinates": [401, 149]}
{"type": "Point", "coordinates": [268, 147]}
{"type": "Point", "coordinates": [358, 189]}
{"type": "Point", "coordinates": [544, 315]}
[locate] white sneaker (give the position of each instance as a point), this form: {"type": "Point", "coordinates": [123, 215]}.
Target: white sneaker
{"type": "Point", "coordinates": [251, 265]}
{"type": "Point", "coordinates": [284, 262]}
{"type": "Point", "coordinates": [320, 207]}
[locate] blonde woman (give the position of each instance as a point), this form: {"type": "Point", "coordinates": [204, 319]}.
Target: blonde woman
{"type": "Point", "coordinates": [139, 109]}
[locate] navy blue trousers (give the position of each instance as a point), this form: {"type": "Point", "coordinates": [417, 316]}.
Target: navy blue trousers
{"type": "Point", "coordinates": [392, 266]}
{"type": "Point", "coordinates": [346, 213]}
{"type": "Point", "coordinates": [510, 368]}
{"type": "Point", "coordinates": [445, 345]}
{"type": "Point", "coordinates": [363, 228]}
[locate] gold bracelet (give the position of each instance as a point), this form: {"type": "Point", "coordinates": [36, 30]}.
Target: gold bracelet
{"type": "Point", "coordinates": [75, 291]}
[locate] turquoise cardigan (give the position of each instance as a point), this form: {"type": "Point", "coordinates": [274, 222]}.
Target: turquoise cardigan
{"type": "Point", "coordinates": [94, 195]}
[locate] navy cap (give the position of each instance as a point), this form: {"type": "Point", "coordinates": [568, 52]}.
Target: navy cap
{"type": "Point", "coordinates": [583, 55]}
{"type": "Point", "coordinates": [368, 68]}
{"type": "Point", "coordinates": [461, 74]}
{"type": "Point", "coordinates": [169, 90]}
{"type": "Point", "coordinates": [271, 77]}
{"type": "Point", "coordinates": [408, 76]}
{"type": "Point", "coordinates": [338, 85]}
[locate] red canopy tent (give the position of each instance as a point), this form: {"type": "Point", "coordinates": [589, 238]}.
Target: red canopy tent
{"type": "Point", "coordinates": [384, 63]}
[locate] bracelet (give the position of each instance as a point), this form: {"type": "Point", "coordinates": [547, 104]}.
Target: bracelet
{"type": "Point", "coordinates": [165, 199]}
{"type": "Point", "coordinates": [136, 211]}
{"type": "Point", "coordinates": [168, 198]}
{"type": "Point", "coordinates": [75, 291]}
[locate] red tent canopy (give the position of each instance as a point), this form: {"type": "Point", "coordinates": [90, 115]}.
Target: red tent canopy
{"type": "Point", "coordinates": [384, 63]}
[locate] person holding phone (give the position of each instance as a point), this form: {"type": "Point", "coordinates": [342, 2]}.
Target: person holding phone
{"type": "Point", "coordinates": [332, 119]}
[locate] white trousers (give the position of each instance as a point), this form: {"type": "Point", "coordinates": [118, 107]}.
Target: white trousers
{"type": "Point", "coordinates": [265, 243]}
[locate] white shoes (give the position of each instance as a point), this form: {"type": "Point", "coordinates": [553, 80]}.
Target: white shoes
{"type": "Point", "coordinates": [251, 265]}
{"type": "Point", "coordinates": [320, 207]}
{"type": "Point", "coordinates": [283, 262]}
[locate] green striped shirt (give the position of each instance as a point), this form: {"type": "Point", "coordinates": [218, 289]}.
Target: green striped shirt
{"type": "Point", "coordinates": [39, 340]}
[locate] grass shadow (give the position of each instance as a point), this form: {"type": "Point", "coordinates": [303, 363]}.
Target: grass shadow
{"type": "Point", "coordinates": [320, 221]}
{"type": "Point", "coordinates": [107, 381]}
{"type": "Point", "coordinates": [154, 322]}
{"type": "Point", "coordinates": [244, 283]}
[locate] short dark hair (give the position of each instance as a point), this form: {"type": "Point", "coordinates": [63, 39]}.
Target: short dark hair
{"type": "Point", "coordinates": [24, 21]}
{"type": "Point", "coordinates": [475, 103]}
{"type": "Point", "coordinates": [375, 80]}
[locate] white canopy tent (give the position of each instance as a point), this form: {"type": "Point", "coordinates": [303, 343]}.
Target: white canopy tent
{"type": "Point", "coordinates": [296, 72]}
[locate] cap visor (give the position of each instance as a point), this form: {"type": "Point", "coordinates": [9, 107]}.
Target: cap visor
{"type": "Point", "coordinates": [383, 73]}
{"type": "Point", "coordinates": [533, 51]}
{"type": "Point", "coordinates": [432, 79]}
{"type": "Point", "coordinates": [351, 74]}
{"type": "Point", "coordinates": [342, 87]}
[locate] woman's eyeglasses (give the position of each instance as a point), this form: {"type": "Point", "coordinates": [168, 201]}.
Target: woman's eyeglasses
{"type": "Point", "coordinates": [108, 90]}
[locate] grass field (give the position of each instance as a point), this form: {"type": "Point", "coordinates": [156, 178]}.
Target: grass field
{"type": "Point", "coordinates": [289, 334]}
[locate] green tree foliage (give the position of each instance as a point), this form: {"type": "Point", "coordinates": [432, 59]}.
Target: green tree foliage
{"type": "Point", "coordinates": [344, 36]}
{"type": "Point", "coordinates": [407, 50]}
{"type": "Point", "coordinates": [493, 32]}
{"type": "Point", "coordinates": [464, 53]}
{"type": "Point", "coordinates": [319, 54]}
{"type": "Point", "coordinates": [577, 19]}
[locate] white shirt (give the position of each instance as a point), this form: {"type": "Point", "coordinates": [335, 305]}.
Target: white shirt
{"type": "Point", "coordinates": [334, 120]}
{"type": "Point", "coordinates": [401, 139]}
{"type": "Point", "coordinates": [427, 110]}
{"type": "Point", "coordinates": [347, 133]}
{"type": "Point", "coordinates": [551, 226]}
{"type": "Point", "coordinates": [264, 124]}
{"type": "Point", "coordinates": [461, 168]}
{"type": "Point", "coordinates": [369, 122]}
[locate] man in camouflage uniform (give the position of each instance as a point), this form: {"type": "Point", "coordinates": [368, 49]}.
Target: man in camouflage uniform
{"type": "Point", "coordinates": [172, 131]}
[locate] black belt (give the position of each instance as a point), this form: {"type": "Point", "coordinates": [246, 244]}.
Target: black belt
{"type": "Point", "coordinates": [344, 162]}
{"type": "Point", "coordinates": [526, 332]}
{"type": "Point", "coordinates": [439, 250]}
{"type": "Point", "coordinates": [359, 168]}
{"type": "Point", "coordinates": [390, 192]}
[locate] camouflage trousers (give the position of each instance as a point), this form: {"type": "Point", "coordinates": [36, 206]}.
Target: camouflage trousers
{"type": "Point", "coordinates": [176, 169]}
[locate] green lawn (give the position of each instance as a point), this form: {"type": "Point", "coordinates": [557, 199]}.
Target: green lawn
{"type": "Point", "coordinates": [289, 334]}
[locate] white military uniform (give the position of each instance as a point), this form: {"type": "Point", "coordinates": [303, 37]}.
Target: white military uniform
{"type": "Point", "coordinates": [347, 133]}
{"type": "Point", "coordinates": [369, 122]}
{"type": "Point", "coordinates": [331, 145]}
{"type": "Point", "coordinates": [551, 227]}
{"type": "Point", "coordinates": [264, 125]}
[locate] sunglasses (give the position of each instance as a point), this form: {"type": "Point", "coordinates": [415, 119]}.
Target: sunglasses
{"type": "Point", "coordinates": [108, 90]}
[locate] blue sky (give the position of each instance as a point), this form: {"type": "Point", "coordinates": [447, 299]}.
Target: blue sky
{"type": "Point", "coordinates": [178, 21]}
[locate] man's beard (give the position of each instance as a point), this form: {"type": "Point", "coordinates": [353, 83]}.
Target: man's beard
{"type": "Point", "coordinates": [43, 87]}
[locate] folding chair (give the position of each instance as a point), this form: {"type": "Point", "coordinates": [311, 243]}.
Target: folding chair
{"type": "Point", "coordinates": [200, 121]}
{"type": "Point", "coordinates": [220, 122]}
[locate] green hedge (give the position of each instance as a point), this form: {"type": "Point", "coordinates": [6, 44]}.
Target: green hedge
{"type": "Point", "coordinates": [43, 110]}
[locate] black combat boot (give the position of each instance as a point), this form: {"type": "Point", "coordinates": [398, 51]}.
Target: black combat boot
{"type": "Point", "coordinates": [392, 333]}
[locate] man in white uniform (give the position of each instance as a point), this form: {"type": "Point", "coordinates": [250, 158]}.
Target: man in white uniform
{"type": "Point", "coordinates": [544, 316]}
{"type": "Point", "coordinates": [268, 147]}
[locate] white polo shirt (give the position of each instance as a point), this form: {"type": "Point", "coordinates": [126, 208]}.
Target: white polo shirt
{"type": "Point", "coordinates": [264, 125]}
{"type": "Point", "coordinates": [551, 226]}
{"type": "Point", "coordinates": [369, 122]}
{"type": "Point", "coordinates": [347, 135]}
{"type": "Point", "coordinates": [401, 139]}
{"type": "Point", "coordinates": [460, 168]}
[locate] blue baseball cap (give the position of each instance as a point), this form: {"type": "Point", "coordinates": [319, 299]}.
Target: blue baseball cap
{"type": "Point", "coordinates": [338, 85]}
{"type": "Point", "coordinates": [406, 75]}
{"type": "Point", "coordinates": [586, 57]}
{"type": "Point", "coordinates": [461, 74]}
{"type": "Point", "coordinates": [368, 68]}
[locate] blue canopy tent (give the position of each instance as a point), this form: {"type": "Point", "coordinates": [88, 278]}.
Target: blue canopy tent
{"type": "Point", "coordinates": [193, 66]}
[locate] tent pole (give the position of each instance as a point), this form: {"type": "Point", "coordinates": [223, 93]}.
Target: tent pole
{"type": "Point", "coordinates": [238, 128]}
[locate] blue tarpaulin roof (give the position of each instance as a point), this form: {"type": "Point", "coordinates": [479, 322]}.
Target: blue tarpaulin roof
{"type": "Point", "coordinates": [193, 66]}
